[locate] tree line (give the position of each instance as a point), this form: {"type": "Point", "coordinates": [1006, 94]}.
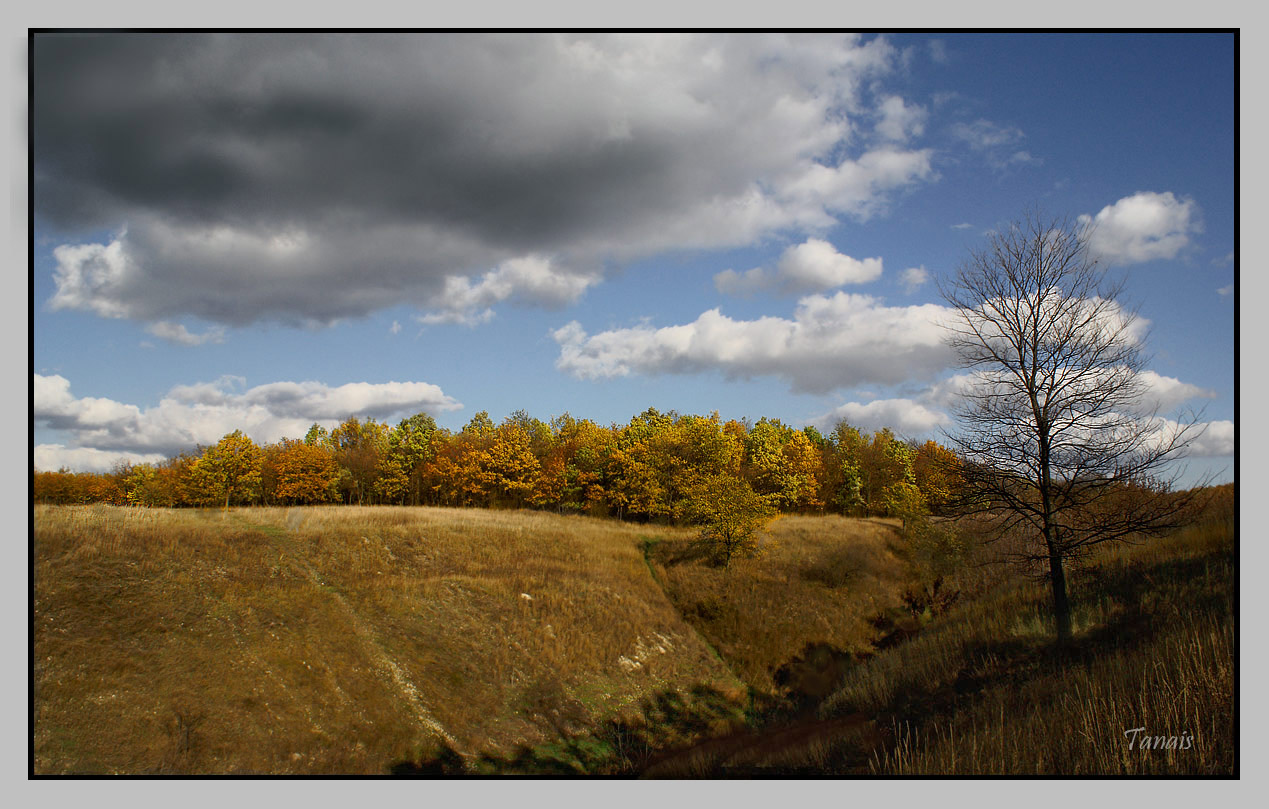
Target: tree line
{"type": "Point", "coordinates": [658, 466]}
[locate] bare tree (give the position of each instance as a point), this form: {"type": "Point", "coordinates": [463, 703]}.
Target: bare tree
{"type": "Point", "coordinates": [1057, 437]}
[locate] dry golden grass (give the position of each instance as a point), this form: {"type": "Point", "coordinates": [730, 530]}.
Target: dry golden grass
{"type": "Point", "coordinates": [819, 580]}
{"type": "Point", "coordinates": [350, 640]}
{"type": "Point", "coordinates": [982, 691]}
{"type": "Point", "coordinates": [338, 639]}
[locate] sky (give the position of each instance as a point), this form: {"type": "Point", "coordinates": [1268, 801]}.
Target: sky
{"type": "Point", "coordinates": [260, 232]}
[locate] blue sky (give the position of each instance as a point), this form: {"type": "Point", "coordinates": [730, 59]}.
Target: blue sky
{"type": "Point", "coordinates": [265, 232]}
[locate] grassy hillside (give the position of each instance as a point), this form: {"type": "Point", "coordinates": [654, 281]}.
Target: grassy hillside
{"type": "Point", "coordinates": [980, 689]}
{"type": "Point", "coordinates": [339, 640]}
{"type": "Point", "coordinates": [817, 583]}
{"type": "Point", "coordinates": [382, 639]}
{"type": "Point", "coordinates": [984, 692]}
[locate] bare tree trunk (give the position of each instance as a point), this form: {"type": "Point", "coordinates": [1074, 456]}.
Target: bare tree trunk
{"type": "Point", "coordinates": [1061, 606]}
{"type": "Point", "coordinates": [1057, 580]}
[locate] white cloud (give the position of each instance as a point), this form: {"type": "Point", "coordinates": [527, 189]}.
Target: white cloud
{"type": "Point", "coordinates": [1217, 441]}
{"type": "Point", "coordinates": [831, 342]}
{"type": "Point", "coordinates": [813, 266]}
{"type": "Point", "coordinates": [1225, 291]}
{"type": "Point", "coordinates": [529, 279]}
{"type": "Point", "coordinates": [962, 226]}
{"type": "Point", "coordinates": [1166, 393]}
{"type": "Point", "coordinates": [1162, 394]}
{"type": "Point", "coordinates": [854, 187]}
{"type": "Point", "coordinates": [914, 277]}
{"type": "Point", "coordinates": [190, 415]}
{"type": "Point", "coordinates": [816, 265]}
{"type": "Point", "coordinates": [86, 275]}
{"type": "Point", "coordinates": [177, 333]}
{"type": "Point", "coordinates": [899, 120]}
{"type": "Point", "coordinates": [1146, 226]}
{"type": "Point", "coordinates": [1208, 439]}
{"type": "Point", "coordinates": [905, 417]}
{"type": "Point", "coordinates": [52, 457]}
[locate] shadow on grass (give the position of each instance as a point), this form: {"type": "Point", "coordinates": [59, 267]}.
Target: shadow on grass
{"type": "Point", "coordinates": [667, 721]}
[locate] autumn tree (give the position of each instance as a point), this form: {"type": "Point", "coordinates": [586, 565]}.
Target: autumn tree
{"type": "Point", "coordinates": [140, 486]}
{"type": "Point", "coordinates": [228, 470]}
{"type": "Point", "coordinates": [507, 467]}
{"type": "Point", "coordinates": [306, 473]}
{"type": "Point", "coordinates": [889, 480]}
{"type": "Point", "coordinates": [640, 468]}
{"type": "Point", "coordinates": [636, 488]}
{"type": "Point", "coordinates": [731, 515]}
{"type": "Point", "coordinates": [358, 446]}
{"type": "Point", "coordinates": [577, 467]}
{"type": "Point", "coordinates": [938, 476]}
{"type": "Point", "coordinates": [783, 465]}
{"type": "Point", "coordinates": [1058, 443]}
{"type": "Point", "coordinates": [692, 450]}
{"type": "Point", "coordinates": [841, 459]}
{"type": "Point", "coordinates": [413, 443]}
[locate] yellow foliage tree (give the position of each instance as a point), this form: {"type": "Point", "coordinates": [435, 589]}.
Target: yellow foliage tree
{"type": "Point", "coordinates": [731, 515]}
{"type": "Point", "coordinates": [228, 470]}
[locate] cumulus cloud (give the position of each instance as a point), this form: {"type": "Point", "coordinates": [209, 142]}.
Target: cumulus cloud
{"type": "Point", "coordinates": [1208, 439]}
{"type": "Point", "coordinates": [831, 342]}
{"type": "Point", "coordinates": [189, 415]}
{"type": "Point", "coordinates": [813, 266]}
{"type": "Point", "coordinates": [306, 178]}
{"type": "Point", "coordinates": [905, 417]}
{"type": "Point", "coordinates": [1166, 393]}
{"type": "Point", "coordinates": [530, 280]}
{"type": "Point", "coordinates": [1225, 291]}
{"type": "Point", "coordinates": [1217, 440]}
{"type": "Point", "coordinates": [1146, 226]}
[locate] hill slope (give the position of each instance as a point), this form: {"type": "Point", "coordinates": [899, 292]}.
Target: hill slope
{"type": "Point", "coordinates": [339, 640]}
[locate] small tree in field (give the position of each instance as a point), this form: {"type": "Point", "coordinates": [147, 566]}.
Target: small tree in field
{"type": "Point", "coordinates": [1057, 441]}
{"type": "Point", "coordinates": [731, 515]}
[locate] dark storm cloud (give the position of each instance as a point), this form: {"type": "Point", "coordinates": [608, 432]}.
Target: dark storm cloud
{"type": "Point", "coordinates": [304, 178]}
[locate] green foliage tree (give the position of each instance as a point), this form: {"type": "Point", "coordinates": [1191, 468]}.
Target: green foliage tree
{"type": "Point", "coordinates": [414, 441]}
{"type": "Point", "coordinates": [844, 469]}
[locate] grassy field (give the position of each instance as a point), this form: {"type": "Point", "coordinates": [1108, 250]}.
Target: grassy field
{"type": "Point", "coordinates": [419, 640]}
